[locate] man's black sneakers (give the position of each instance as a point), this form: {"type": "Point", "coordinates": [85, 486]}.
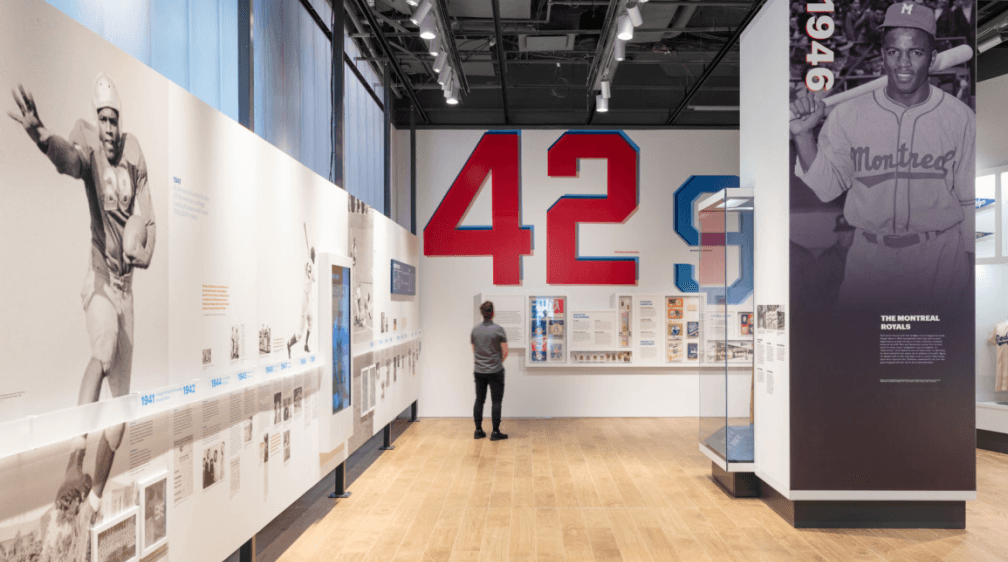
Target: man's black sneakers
{"type": "Point", "coordinates": [497, 436]}
{"type": "Point", "coordinates": [480, 434]}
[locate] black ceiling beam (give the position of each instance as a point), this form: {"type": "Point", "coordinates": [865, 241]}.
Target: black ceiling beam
{"type": "Point", "coordinates": [579, 88]}
{"type": "Point", "coordinates": [318, 19]}
{"type": "Point", "coordinates": [501, 60]}
{"type": "Point", "coordinates": [714, 63]}
{"type": "Point", "coordinates": [466, 33]}
{"type": "Point", "coordinates": [706, 3]}
{"type": "Point", "coordinates": [442, 13]}
{"type": "Point", "coordinates": [361, 6]}
{"type": "Point", "coordinates": [600, 50]}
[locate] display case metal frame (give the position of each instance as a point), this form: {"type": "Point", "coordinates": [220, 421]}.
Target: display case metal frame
{"type": "Point", "coordinates": [732, 465]}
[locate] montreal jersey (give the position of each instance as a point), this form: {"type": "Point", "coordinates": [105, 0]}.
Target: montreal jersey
{"type": "Point", "coordinates": [114, 193]}
{"type": "Point", "coordinates": [908, 169]}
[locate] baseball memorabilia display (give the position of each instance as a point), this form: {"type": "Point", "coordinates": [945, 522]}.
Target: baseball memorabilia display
{"type": "Point", "coordinates": [882, 237]}
{"type": "Point", "coordinates": [154, 509]}
{"type": "Point", "coordinates": [115, 540]}
{"type": "Point", "coordinates": [547, 333]}
{"type": "Point", "coordinates": [682, 323]}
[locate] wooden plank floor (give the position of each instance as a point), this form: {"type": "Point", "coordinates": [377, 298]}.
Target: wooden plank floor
{"type": "Point", "coordinates": [567, 490]}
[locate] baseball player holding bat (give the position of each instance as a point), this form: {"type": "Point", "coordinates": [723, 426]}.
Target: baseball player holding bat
{"type": "Point", "coordinates": [307, 318]}
{"type": "Point", "coordinates": [904, 154]}
{"type": "Point", "coordinates": [112, 167]}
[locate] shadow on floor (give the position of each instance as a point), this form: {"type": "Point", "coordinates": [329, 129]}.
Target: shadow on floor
{"type": "Point", "coordinates": [271, 541]}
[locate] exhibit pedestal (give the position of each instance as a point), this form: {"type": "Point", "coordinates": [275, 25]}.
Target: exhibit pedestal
{"type": "Point", "coordinates": [992, 426]}
{"type": "Point", "coordinates": [810, 514]}
{"type": "Point", "coordinates": [992, 441]}
{"type": "Point", "coordinates": [737, 484]}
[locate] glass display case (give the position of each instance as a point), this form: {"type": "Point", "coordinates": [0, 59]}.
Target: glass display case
{"type": "Point", "coordinates": [991, 308]}
{"type": "Point", "coordinates": [725, 268]}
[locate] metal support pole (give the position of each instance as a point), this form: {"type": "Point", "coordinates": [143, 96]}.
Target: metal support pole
{"type": "Point", "coordinates": [387, 439]}
{"type": "Point", "coordinates": [387, 148]}
{"type": "Point", "coordinates": [246, 73]}
{"type": "Point", "coordinates": [340, 478]}
{"type": "Point", "coordinates": [247, 551]}
{"type": "Point", "coordinates": [412, 167]}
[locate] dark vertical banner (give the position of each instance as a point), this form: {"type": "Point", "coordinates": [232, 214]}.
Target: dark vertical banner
{"type": "Point", "coordinates": [882, 234]}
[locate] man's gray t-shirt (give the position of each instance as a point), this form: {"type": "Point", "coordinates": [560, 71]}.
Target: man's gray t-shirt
{"type": "Point", "coordinates": [487, 339]}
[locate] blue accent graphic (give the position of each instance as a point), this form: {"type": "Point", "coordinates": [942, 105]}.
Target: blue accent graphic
{"type": "Point", "coordinates": [685, 226]}
{"type": "Point", "coordinates": [340, 338]}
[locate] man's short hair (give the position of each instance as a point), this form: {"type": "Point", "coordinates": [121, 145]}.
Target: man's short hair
{"type": "Point", "coordinates": [486, 309]}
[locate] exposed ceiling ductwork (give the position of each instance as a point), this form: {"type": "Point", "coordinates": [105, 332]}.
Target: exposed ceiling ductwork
{"type": "Point", "coordinates": [547, 58]}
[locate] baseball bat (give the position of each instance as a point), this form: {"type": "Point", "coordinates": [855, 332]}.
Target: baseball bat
{"type": "Point", "coordinates": [945, 60]}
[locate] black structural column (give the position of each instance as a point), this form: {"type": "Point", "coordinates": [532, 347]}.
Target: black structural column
{"type": "Point", "coordinates": [387, 81]}
{"type": "Point", "coordinates": [338, 33]}
{"type": "Point", "coordinates": [340, 479]}
{"type": "Point", "coordinates": [245, 70]}
{"type": "Point", "coordinates": [387, 438]}
{"type": "Point", "coordinates": [412, 167]}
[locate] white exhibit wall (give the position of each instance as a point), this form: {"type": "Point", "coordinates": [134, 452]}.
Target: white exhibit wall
{"type": "Point", "coordinates": [764, 166]}
{"type": "Point", "coordinates": [231, 323]}
{"type": "Point", "coordinates": [450, 284]}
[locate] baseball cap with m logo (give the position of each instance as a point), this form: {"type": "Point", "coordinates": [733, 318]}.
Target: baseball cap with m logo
{"type": "Point", "coordinates": [910, 14]}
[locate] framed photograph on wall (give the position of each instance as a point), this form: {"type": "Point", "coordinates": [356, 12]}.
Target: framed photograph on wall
{"type": "Point", "coordinates": [154, 509]}
{"type": "Point", "coordinates": [115, 539]}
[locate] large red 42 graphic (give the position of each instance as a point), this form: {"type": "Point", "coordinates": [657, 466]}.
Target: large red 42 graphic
{"type": "Point", "coordinates": [507, 240]}
{"type": "Point", "coordinates": [564, 265]}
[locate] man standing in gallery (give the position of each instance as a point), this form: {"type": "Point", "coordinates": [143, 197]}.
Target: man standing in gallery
{"type": "Point", "coordinates": [490, 349]}
{"type": "Point", "coordinates": [904, 155]}
{"type": "Point", "coordinates": [114, 172]}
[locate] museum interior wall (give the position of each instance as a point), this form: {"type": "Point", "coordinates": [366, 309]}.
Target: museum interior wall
{"type": "Point", "coordinates": [556, 200]}
{"type": "Point", "coordinates": [203, 327]}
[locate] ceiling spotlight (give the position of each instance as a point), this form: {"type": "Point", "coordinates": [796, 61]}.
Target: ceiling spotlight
{"type": "Point", "coordinates": [421, 12]}
{"type": "Point", "coordinates": [642, 1]}
{"type": "Point", "coordinates": [427, 29]}
{"type": "Point", "coordinates": [624, 28]}
{"type": "Point", "coordinates": [445, 76]}
{"type": "Point", "coordinates": [440, 61]}
{"type": "Point", "coordinates": [601, 104]}
{"type": "Point", "coordinates": [414, 3]}
{"type": "Point", "coordinates": [435, 47]}
{"type": "Point", "coordinates": [633, 10]}
{"type": "Point", "coordinates": [619, 50]}
{"type": "Point", "coordinates": [606, 89]}
{"type": "Point", "coordinates": [452, 93]}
